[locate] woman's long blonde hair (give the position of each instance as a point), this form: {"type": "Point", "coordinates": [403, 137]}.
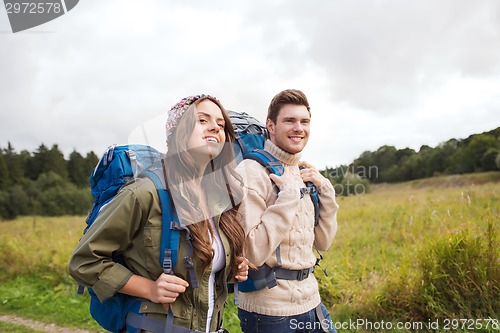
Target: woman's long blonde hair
{"type": "Point", "coordinates": [220, 176]}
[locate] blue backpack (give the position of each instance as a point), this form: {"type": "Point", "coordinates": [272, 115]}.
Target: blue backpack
{"type": "Point", "coordinates": [117, 166]}
{"type": "Point", "coordinates": [250, 134]}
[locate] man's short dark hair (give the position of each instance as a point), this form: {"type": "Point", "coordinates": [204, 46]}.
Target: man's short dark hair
{"type": "Point", "coordinates": [289, 96]}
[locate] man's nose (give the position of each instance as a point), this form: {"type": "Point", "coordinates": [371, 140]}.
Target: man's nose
{"type": "Point", "coordinates": [297, 127]}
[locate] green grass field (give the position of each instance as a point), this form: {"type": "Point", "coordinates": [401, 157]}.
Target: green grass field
{"type": "Point", "coordinates": [420, 252]}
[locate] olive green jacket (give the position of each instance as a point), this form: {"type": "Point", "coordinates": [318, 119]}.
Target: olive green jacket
{"type": "Point", "coordinates": [131, 225]}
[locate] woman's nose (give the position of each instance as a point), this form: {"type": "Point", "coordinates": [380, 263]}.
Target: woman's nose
{"type": "Point", "coordinates": [213, 126]}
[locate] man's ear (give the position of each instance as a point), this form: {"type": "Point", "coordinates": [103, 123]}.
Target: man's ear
{"type": "Point", "coordinates": [270, 126]}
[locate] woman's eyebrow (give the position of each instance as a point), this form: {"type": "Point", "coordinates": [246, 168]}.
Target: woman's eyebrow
{"type": "Point", "coordinates": [208, 115]}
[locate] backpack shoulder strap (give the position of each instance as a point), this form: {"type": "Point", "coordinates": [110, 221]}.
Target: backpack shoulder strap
{"type": "Point", "coordinates": [315, 200]}
{"type": "Point", "coordinates": [171, 227]}
{"type": "Point", "coordinates": [272, 165]}
{"type": "Point", "coordinates": [313, 193]}
{"type": "Point", "coordinates": [170, 235]}
{"type": "Point", "coordinates": [267, 160]}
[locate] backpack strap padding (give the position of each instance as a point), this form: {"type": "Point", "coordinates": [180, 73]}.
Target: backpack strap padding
{"type": "Point", "coordinates": [272, 165]}
{"type": "Point", "coordinates": [171, 229]}
{"type": "Point", "coordinates": [267, 160]}
{"type": "Point", "coordinates": [315, 200]}
{"type": "Point", "coordinates": [169, 238]}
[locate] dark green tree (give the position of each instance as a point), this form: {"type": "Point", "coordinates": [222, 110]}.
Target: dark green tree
{"type": "Point", "coordinates": [425, 168]}
{"type": "Point", "coordinates": [36, 164]}
{"type": "Point", "coordinates": [56, 196]}
{"type": "Point", "coordinates": [364, 162]}
{"type": "Point", "coordinates": [400, 172]}
{"type": "Point", "coordinates": [24, 158]}
{"type": "Point", "coordinates": [5, 205]}
{"type": "Point", "coordinates": [438, 160]}
{"type": "Point", "coordinates": [14, 164]}
{"type": "Point", "coordinates": [19, 201]}
{"type": "Point", "coordinates": [45, 160]}
{"type": "Point", "coordinates": [478, 148]}
{"type": "Point", "coordinates": [91, 160]}
{"type": "Point", "coordinates": [57, 162]}
{"type": "Point", "coordinates": [488, 161]}
{"type": "Point", "coordinates": [403, 154]}
{"type": "Point", "coordinates": [4, 173]}
{"type": "Point", "coordinates": [412, 167]}
{"type": "Point", "coordinates": [77, 169]}
{"type": "Point", "coordinates": [384, 158]}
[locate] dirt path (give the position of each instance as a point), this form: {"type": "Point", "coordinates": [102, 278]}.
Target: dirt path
{"type": "Point", "coordinates": [43, 327]}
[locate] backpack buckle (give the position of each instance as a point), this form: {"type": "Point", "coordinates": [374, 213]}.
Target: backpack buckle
{"type": "Point", "coordinates": [312, 189]}
{"type": "Point", "coordinates": [188, 262]}
{"type": "Point", "coordinates": [303, 274]}
{"type": "Point", "coordinates": [167, 266]}
{"type": "Point", "coordinates": [167, 262]}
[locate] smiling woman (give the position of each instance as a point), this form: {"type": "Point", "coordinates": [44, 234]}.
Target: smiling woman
{"type": "Point", "coordinates": [205, 191]}
{"type": "Point", "coordinates": [207, 139]}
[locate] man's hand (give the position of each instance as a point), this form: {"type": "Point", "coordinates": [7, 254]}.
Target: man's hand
{"type": "Point", "coordinates": [285, 178]}
{"type": "Point", "coordinates": [311, 174]}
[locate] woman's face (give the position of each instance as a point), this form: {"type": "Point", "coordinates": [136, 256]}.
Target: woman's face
{"type": "Point", "coordinates": [208, 136]}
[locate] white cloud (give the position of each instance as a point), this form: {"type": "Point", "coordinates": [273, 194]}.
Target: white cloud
{"type": "Point", "coordinates": [402, 73]}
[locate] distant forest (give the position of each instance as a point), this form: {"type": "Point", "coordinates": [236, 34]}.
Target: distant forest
{"type": "Point", "coordinates": [477, 153]}
{"type": "Point", "coordinates": [44, 182]}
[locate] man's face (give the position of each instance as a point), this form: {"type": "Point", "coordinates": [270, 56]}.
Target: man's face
{"type": "Point", "coordinates": [292, 127]}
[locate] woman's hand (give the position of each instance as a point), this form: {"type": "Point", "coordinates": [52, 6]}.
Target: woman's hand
{"type": "Point", "coordinates": [242, 273]}
{"type": "Point", "coordinates": [167, 288]}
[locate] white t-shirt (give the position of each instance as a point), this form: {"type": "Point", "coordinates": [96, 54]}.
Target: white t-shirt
{"type": "Point", "coordinates": [218, 263]}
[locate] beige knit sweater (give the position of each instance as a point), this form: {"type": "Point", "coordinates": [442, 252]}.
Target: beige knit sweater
{"type": "Point", "coordinates": [270, 219]}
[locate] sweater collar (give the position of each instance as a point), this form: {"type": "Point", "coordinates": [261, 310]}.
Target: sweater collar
{"type": "Point", "coordinates": [281, 155]}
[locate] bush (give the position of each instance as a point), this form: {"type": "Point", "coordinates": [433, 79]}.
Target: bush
{"type": "Point", "coordinates": [64, 200]}
{"type": "Point", "coordinates": [5, 212]}
{"type": "Point", "coordinates": [461, 277]}
{"type": "Point", "coordinates": [457, 276]}
{"type": "Point", "coordinates": [49, 195]}
{"type": "Point", "coordinates": [352, 184]}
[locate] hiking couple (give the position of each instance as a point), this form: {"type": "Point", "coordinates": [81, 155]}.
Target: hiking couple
{"type": "Point", "coordinates": [232, 217]}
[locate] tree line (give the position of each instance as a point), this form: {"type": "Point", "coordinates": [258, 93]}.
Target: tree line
{"type": "Point", "coordinates": [44, 182]}
{"type": "Point", "coordinates": [477, 153]}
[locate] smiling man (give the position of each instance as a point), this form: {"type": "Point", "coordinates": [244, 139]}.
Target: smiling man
{"type": "Point", "coordinates": [281, 228]}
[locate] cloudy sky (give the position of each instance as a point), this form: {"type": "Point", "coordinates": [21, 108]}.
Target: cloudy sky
{"type": "Point", "coordinates": [402, 73]}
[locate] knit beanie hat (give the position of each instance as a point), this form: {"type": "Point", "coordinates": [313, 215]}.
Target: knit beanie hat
{"type": "Point", "coordinates": [177, 111]}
